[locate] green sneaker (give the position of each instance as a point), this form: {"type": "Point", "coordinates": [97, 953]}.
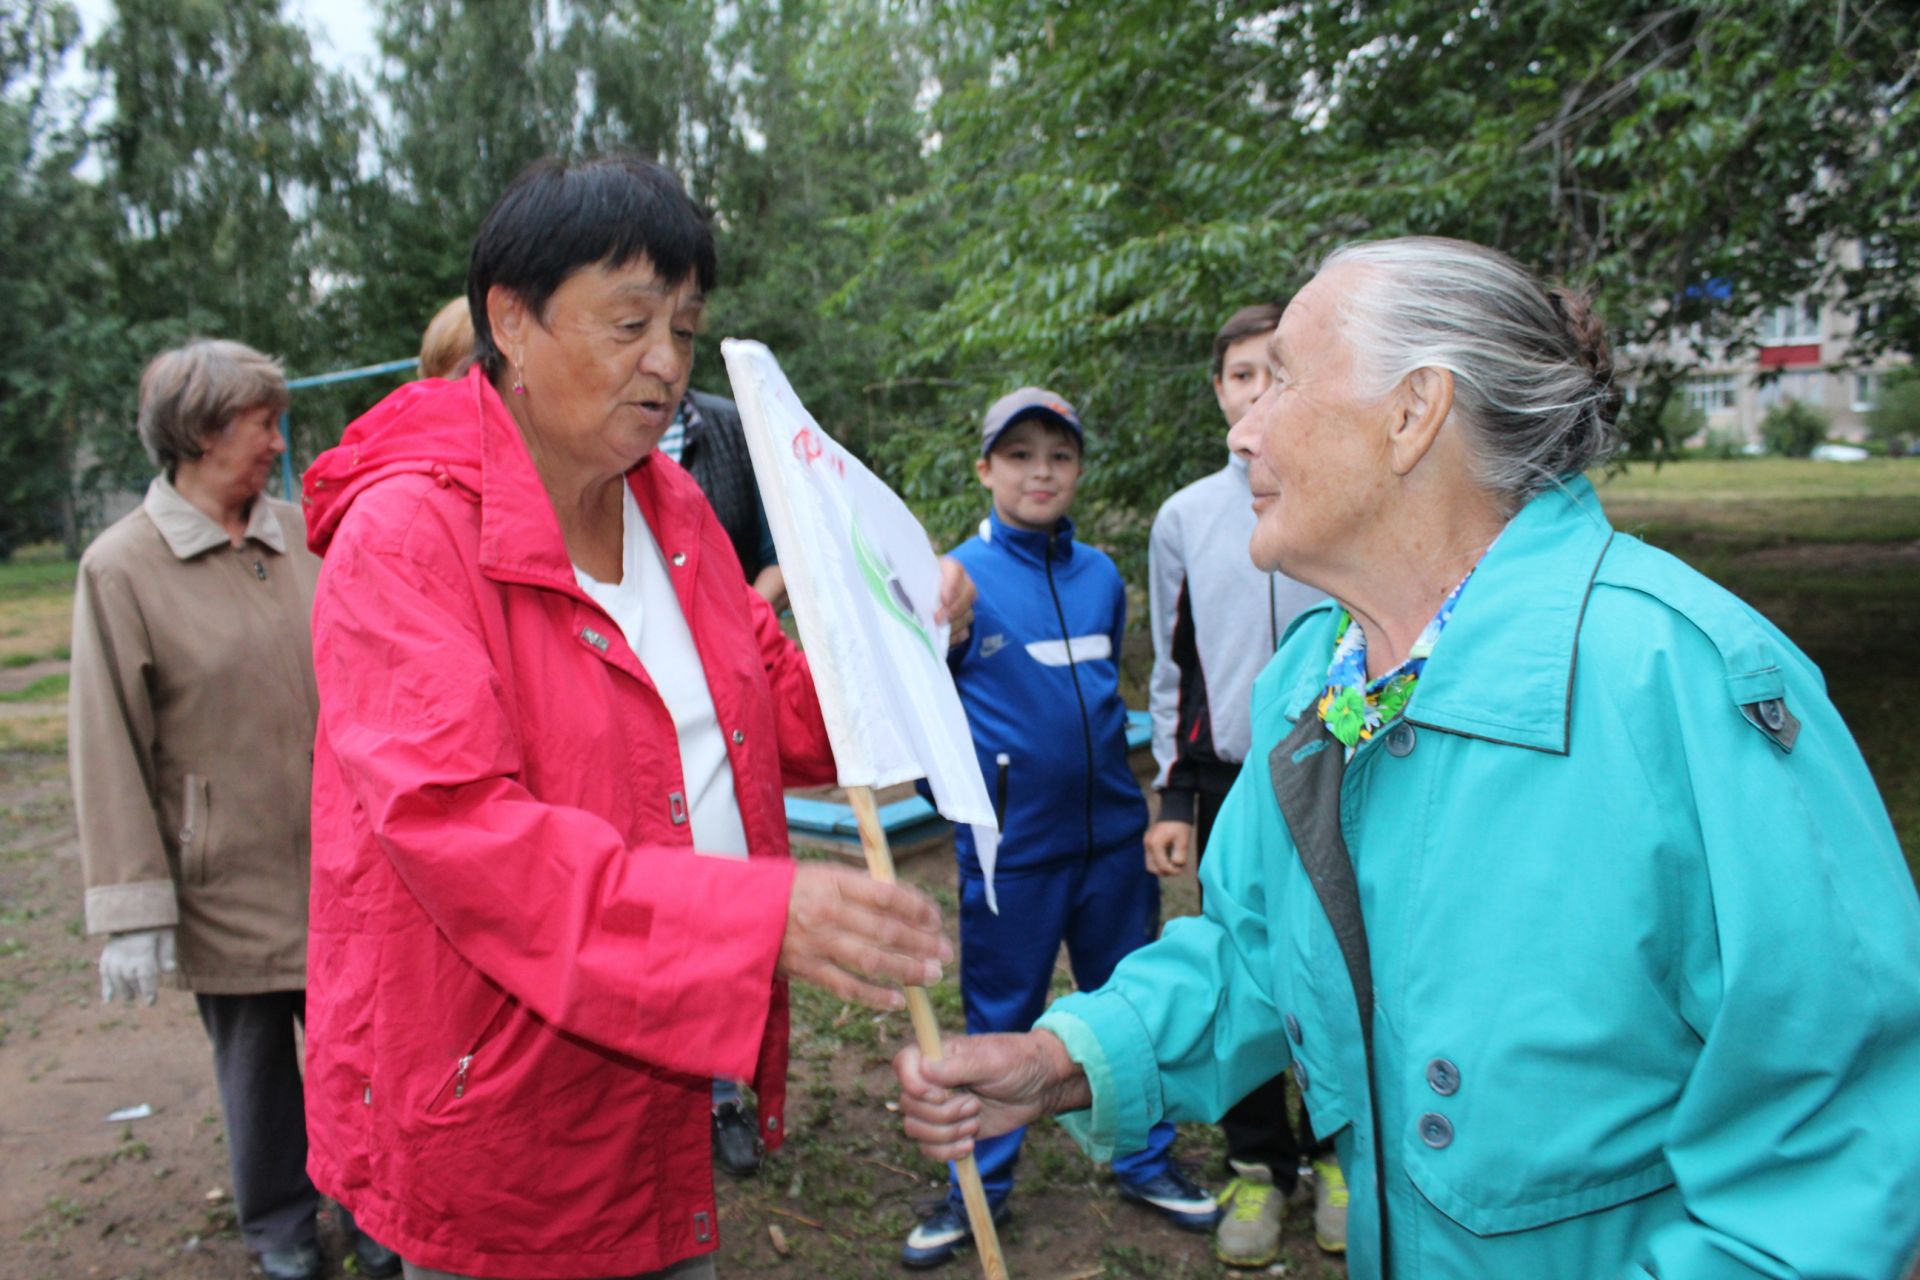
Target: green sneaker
{"type": "Point", "coordinates": [1251, 1209]}
{"type": "Point", "coordinates": [1329, 1205]}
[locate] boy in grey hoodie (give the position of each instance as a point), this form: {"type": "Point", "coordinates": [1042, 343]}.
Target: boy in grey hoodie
{"type": "Point", "coordinates": [1216, 621]}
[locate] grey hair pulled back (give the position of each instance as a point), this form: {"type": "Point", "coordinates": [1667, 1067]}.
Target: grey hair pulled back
{"type": "Point", "coordinates": [1532, 373]}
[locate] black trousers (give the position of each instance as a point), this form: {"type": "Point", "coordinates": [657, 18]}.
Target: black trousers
{"type": "Point", "coordinates": [257, 1066]}
{"type": "Point", "coordinates": [1260, 1129]}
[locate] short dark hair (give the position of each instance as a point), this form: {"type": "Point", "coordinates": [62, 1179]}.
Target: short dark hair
{"type": "Point", "coordinates": [558, 218]}
{"type": "Point", "coordinates": [1247, 322]}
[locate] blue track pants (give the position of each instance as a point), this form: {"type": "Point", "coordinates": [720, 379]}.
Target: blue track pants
{"type": "Point", "coordinates": [1102, 908]}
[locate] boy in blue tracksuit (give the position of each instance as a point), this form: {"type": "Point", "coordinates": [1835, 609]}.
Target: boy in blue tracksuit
{"type": "Point", "coordinates": [1039, 676]}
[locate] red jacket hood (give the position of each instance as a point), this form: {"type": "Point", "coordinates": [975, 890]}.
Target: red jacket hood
{"type": "Point", "coordinates": [433, 426]}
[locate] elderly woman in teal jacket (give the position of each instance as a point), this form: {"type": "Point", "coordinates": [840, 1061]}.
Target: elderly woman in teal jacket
{"type": "Point", "coordinates": [1553, 874]}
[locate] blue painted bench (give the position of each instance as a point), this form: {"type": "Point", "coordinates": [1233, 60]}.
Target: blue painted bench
{"type": "Point", "coordinates": [904, 820]}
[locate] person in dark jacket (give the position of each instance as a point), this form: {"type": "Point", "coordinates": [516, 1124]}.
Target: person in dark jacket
{"type": "Point", "coordinates": [706, 438]}
{"type": "Point", "coordinates": [1040, 680]}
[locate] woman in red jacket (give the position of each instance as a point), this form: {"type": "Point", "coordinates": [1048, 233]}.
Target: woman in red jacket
{"type": "Point", "coordinates": [552, 896]}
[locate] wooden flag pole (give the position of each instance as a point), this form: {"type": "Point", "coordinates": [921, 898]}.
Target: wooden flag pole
{"type": "Point", "coordinates": [873, 839]}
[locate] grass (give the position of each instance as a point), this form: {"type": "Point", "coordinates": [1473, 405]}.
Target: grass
{"type": "Point", "coordinates": [61, 1215]}
{"type": "Point", "coordinates": [36, 610]}
{"type": "Point", "coordinates": [45, 689]}
{"type": "Point", "coordinates": [1755, 502]}
{"type": "Point", "coordinates": [36, 569]}
{"type": "Point", "coordinates": [1824, 549]}
{"type": "Point", "coordinates": [36, 620]}
{"type": "Point", "coordinates": [40, 732]}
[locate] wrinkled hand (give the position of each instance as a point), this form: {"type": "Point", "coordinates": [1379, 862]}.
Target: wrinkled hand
{"type": "Point", "coordinates": [983, 1087]}
{"type": "Point", "coordinates": [1168, 843]}
{"type": "Point", "coordinates": [132, 962]}
{"type": "Point", "coordinates": [957, 594]}
{"type": "Point", "coordinates": [848, 934]}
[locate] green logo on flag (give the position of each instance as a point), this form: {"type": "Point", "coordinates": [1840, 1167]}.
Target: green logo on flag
{"type": "Point", "coordinates": [884, 585]}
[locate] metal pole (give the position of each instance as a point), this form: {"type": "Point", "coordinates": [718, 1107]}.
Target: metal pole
{"type": "Point", "coordinates": [287, 491]}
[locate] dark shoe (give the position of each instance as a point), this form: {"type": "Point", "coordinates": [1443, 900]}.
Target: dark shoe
{"type": "Point", "coordinates": [940, 1235]}
{"type": "Point", "coordinates": [375, 1259]}
{"type": "Point", "coordinates": [301, 1262]}
{"type": "Point", "coordinates": [736, 1139]}
{"type": "Point", "coordinates": [1177, 1197]}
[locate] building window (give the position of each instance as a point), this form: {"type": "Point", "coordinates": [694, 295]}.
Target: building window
{"type": "Point", "coordinates": [1802, 385]}
{"type": "Point", "coordinates": [1795, 324]}
{"type": "Point", "coordinates": [1866, 391]}
{"type": "Point", "coordinates": [1712, 393]}
{"type": "Point", "coordinates": [1877, 253]}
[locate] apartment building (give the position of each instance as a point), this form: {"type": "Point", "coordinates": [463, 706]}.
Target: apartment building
{"type": "Point", "coordinates": [1802, 351]}
{"type": "Point", "coordinates": [1807, 349]}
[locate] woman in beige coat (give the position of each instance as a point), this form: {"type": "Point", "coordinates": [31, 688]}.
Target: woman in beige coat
{"type": "Point", "coordinates": [192, 711]}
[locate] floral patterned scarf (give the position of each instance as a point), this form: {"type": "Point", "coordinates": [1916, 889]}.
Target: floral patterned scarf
{"type": "Point", "coordinates": [1354, 708]}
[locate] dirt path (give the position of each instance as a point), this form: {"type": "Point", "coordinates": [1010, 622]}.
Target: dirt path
{"type": "Point", "coordinates": [14, 679]}
{"type": "Point", "coordinates": [81, 1196]}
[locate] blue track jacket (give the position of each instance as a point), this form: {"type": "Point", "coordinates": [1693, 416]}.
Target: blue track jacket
{"type": "Point", "coordinates": [1052, 707]}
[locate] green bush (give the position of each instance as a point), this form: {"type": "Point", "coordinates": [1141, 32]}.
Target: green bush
{"type": "Point", "coordinates": [1895, 417]}
{"type": "Point", "coordinates": [1680, 421]}
{"type": "Point", "coordinates": [1792, 428]}
{"type": "Point", "coordinates": [1722, 443]}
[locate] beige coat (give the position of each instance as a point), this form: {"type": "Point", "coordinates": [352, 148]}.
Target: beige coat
{"type": "Point", "coordinates": [191, 737]}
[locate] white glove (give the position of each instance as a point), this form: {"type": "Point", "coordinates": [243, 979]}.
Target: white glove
{"type": "Point", "coordinates": [132, 963]}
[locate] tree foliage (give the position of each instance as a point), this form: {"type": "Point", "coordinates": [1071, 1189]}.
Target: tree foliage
{"type": "Point", "coordinates": [784, 119]}
{"type": "Point", "coordinates": [470, 100]}
{"type": "Point", "coordinates": [922, 205]}
{"type": "Point", "coordinates": [63, 353]}
{"type": "Point", "coordinates": [824, 135]}
{"type": "Point", "coordinates": [1680, 421]}
{"type": "Point", "coordinates": [223, 143]}
{"type": "Point", "coordinates": [1115, 179]}
{"type": "Point", "coordinates": [224, 138]}
{"type": "Point", "coordinates": [1895, 416]}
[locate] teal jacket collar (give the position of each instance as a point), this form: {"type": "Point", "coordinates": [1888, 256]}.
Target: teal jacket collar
{"type": "Point", "coordinates": [1503, 670]}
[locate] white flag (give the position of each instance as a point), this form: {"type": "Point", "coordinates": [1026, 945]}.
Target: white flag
{"type": "Point", "coordinates": [864, 582]}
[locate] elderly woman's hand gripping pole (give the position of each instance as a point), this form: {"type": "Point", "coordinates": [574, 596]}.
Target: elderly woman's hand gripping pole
{"type": "Point", "coordinates": [985, 1086]}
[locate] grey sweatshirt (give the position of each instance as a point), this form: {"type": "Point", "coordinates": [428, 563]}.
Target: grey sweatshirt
{"type": "Point", "coordinates": [1216, 620]}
